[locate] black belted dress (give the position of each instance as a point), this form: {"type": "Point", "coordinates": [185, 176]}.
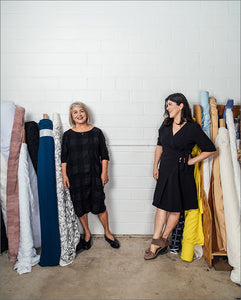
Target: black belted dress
{"type": "Point", "coordinates": [176, 188]}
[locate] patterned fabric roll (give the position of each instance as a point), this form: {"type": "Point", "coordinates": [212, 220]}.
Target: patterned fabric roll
{"type": "Point", "coordinates": [50, 237]}
{"type": "Point", "coordinates": [32, 140]}
{"type": "Point", "coordinates": [231, 204]}
{"type": "Point", "coordinates": [176, 244]}
{"type": "Point", "coordinates": [68, 221]}
{"type": "Point", "coordinates": [27, 256]}
{"type": "Point", "coordinates": [12, 184]}
{"type": "Point", "coordinates": [217, 193]}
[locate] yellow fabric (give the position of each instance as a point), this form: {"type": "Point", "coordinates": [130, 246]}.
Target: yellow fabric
{"type": "Point", "coordinates": [193, 229]}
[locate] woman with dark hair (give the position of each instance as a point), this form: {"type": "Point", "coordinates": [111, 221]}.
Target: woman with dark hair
{"type": "Point", "coordinates": [175, 184]}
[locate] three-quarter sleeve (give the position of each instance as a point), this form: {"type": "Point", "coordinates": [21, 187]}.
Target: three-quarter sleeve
{"type": "Point", "coordinates": [104, 155]}
{"type": "Point", "coordinates": [202, 140]}
{"type": "Point", "coordinates": [64, 149]}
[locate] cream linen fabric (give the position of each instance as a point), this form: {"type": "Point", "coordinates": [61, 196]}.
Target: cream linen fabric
{"type": "Point", "coordinates": [27, 256]}
{"type": "Point", "coordinates": [230, 202]}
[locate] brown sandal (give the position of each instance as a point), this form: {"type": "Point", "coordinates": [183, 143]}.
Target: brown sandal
{"type": "Point", "coordinates": [163, 243]}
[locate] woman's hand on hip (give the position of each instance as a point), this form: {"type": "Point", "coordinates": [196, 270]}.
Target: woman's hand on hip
{"type": "Point", "coordinates": [190, 161]}
{"type": "Point", "coordinates": [155, 173]}
{"type": "Point", "coordinates": [65, 181]}
{"type": "Point", "coordinates": [104, 178]}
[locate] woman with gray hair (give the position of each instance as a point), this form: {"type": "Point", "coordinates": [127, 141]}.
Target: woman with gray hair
{"type": "Point", "coordinates": [84, 161]}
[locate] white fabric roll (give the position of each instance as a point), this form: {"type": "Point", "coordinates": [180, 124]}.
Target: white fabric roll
{"type": "Point", "coordinates": [7, 118]}
{"type": "Point", "coordinates": [234, 150]}
{"type": "Point", "coordinates": [27, 256]}
{"type": "Point", "coordinates": [3, 189]}
{"type": "Point", "coordinates": [230, 203]}
{"type": "Point", "coordinates": [68, 221]}
{"type": "Point", "coordinates": [34, 204]}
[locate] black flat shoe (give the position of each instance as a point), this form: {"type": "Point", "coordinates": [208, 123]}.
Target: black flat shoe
{"type": "Point", "coordinates": [80, 246]}
{"type": "Point", "coordinates": [87, 245]}
{"type": "Point", "coordinates": [114, 244]}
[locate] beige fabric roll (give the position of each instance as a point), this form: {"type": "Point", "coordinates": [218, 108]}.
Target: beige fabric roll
{"type": "Point", "coordinates": [198, 114]}
{"type": "Point", "coordinates": [13, 225]}
{"type": "Point", "coordinates": [231, 204]}
{"type": "Point", "coordinates": [217, 194]}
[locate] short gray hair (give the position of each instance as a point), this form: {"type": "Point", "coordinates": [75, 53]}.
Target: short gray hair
{"type": "Point", "coordinates": [85, 108]}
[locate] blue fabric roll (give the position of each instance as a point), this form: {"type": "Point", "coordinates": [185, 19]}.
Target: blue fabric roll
{"type": "Point", "coordinates": [206, 121]}
{"type": "Point", "coordinates": [50, 237]}
{"type": "Point", "coordinates": [229, 104]}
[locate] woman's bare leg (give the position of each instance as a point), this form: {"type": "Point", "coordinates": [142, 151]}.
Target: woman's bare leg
{"type": "Point", "coordinates": [160, 220]}
{"type": "Point", "coordinates": [84, 222]}
{"type": "Point", "coordinates": [172, 221]}
{"type": "Point", "coordinates": [103, 217]}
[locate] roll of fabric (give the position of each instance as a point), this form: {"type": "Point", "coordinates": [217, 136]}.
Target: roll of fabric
{"type": "Point", "coordinates": [230, 202]}
{"type": "Point", "coordinates": [4, 239]}
{"type": "Point", "coordinates": [68, 221]}
{"type": "Point", "coordinates": [176, 244]}
{"type": "Point", "coordinates": [27, 256]}
{"type": "Point", "coordinates": [198, 114]}
{"type": "Point", "coordinates": [34, 204]}
{"type": "Point", "coordinates": [214, 119]}
{"type": "Point", "coordinates": [206, 121]}
{"type": "Point", "coordinates": [3, 188]}
{"type": "Point", "coordinates": [217, 194]}
{"type": "Point", "coordinates": [229, 104]}
{"type": "Point", "coordinates": [32, 140]}
{"type": "Point", "coordinates": [12, 184]}
{"type": "Point", "coordinates": [50, 237]}
{"type": "Point", "coordinates": [234, 151]}
{"type": "Point", "coordinates": [7, 119]}
{"type": "Point", "coordinates": [193, 229]}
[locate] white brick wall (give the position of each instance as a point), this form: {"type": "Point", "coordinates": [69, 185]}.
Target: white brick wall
{"type": "Point", "coordinates": [122, 59]}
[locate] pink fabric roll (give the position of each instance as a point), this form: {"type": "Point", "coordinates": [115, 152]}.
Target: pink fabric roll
{"type": "Point", "coordinates": [13, 226]}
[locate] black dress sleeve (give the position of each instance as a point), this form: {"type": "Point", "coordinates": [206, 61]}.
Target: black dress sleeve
{"type": "Point", "coordinates": [202, 140]}
{"type": "Point", "coordinates": [64, 148]}
{"type": "Point", "coordinates": [159, 142]}
{"type": "Point", "coordinates": [104, 155]}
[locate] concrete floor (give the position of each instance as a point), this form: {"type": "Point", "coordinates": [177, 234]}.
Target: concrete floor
{"type": "Point", "coordinates": [106, 273]}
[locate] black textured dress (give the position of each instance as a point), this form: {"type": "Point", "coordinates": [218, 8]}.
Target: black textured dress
{"type": "Point", "coordinates": [83, 153]}
{"type": "Point", "coordinates": [176, 189]}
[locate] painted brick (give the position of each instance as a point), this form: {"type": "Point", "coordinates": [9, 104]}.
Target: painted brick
{"type": "Point", "coordinates": [122, 60]}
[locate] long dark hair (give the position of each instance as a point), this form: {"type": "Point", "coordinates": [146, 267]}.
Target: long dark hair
{"type": "Point", "coordinates": [186, 115]}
